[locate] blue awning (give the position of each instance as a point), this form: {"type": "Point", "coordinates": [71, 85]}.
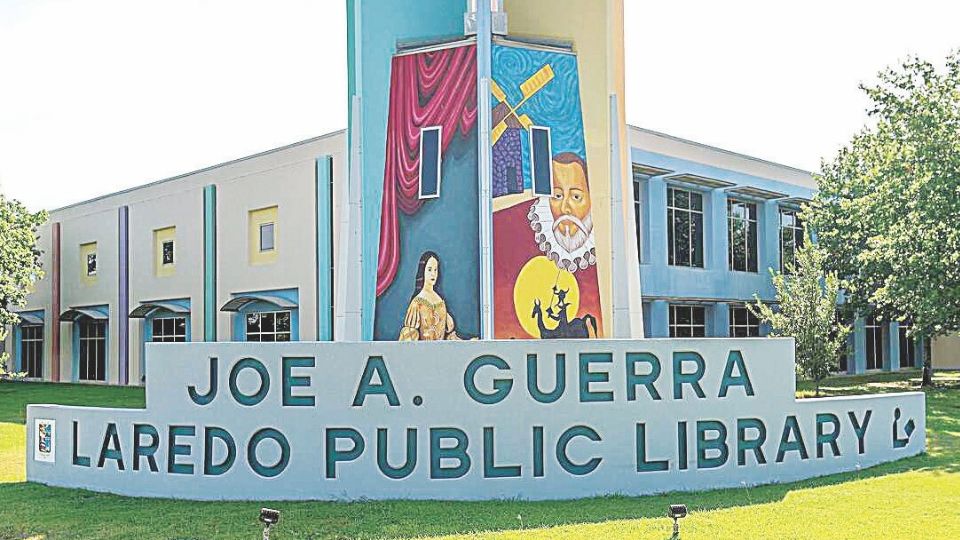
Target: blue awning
{"type": "Point", "coordinates": [75, 314]}
{"type": "Point", "coordinates": [148, 308]}
{"type": "Point", "coordinates": [27, 319]}
{"type": "Point", "coordinates": [237, 303]}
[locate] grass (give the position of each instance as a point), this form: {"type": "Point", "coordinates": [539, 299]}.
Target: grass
{"type": "Point", "coordinates": [915, 497]}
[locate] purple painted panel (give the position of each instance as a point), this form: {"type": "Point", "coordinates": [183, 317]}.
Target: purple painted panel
{"type": "Point", "coordinates": [508, 164]}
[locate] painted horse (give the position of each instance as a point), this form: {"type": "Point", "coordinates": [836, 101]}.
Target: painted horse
{"type": "Point", "coordinates": [566, 329]}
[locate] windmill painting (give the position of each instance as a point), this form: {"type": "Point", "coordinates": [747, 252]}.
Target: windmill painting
{"type": "Point", "coordinates": [544, 252]}
{"type": "Point", "coordinates": [507, 135]}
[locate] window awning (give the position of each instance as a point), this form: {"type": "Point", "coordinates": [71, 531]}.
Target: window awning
{"type": "Point", "coordinates": [796, 201]}
{"type": "Point", "coordinates": [237, 303]}
{"type": "Point", "coordinates": [29, 319]}
{"type": "Point", "coordinates": [75, 314]}
{"type": "Point", "coordinates": [757, 193]}
{"type": "Point", "coordinates": [640, 169]}
{"type": "Point", "coordinates": [696, 179]}
{"type": "Point", "coordinates": [147, 308]}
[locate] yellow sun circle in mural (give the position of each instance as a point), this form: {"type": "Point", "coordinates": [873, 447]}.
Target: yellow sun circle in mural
{"type": "Point", "coordinates": [537, 281]}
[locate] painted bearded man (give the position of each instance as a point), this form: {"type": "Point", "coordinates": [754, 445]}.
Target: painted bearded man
{"type": "Point", "coordinates": [562, 224]}
{"type": "Point", "coordinates": [558, 228]}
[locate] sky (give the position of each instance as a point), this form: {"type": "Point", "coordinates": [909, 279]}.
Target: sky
{"type": "Point", "coordinates": [102, 95]}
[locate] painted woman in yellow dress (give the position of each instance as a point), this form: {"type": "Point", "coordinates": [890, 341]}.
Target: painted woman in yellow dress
{"type": "Point", "coordinates": [427, 317]}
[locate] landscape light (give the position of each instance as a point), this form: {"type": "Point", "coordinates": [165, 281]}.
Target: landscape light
{"type": "Point", "coordinates": [677, 511]}
{"type": "Point", "coordinates": [269, 518]}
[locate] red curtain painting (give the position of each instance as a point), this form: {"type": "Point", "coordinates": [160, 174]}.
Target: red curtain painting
{"type": "Point", "coordinates": [436, 88]}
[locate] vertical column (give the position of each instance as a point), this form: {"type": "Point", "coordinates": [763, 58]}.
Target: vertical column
{"type": "Point", "coordinates": [485, 113]}
{"type": "Point", "coordinates": [893, 348]}
{"type": "Point", "coordinates": [769, 238]}
{"type": "Point", "coordinates": [859, 364]}
{"type": "Point", "coordinates": [627, 300]}
{"type": "Point", "coordinates": [886, 361]}
{"type": "Point", "coordinates": [210, 263]}
{"type": "Point", "coordinates": [55, 302]}
{"type": "Point", "coordinates": [719, 320]}
{"type": "Point", "coordinates": [655, 223]}
{"type": "Point", "coordinates": [659, 319]}
{"type": "Point", "coordinates": [717, 242]}
{"type": "Point", "coordinates": [17, 346]}
{"type": "Point", "coordinates": [123, 300]}
{"type": "Point", "coordinates": [324, 261]}
{"type": "Point", "coordinates": [351, 325]}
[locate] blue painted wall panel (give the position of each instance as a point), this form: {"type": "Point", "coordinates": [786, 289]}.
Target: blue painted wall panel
{"type": "Point", "coordinates": [382, 23]}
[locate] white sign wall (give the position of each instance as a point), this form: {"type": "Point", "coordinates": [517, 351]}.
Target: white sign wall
{"type": "Point", "coordinates": [476, 420]}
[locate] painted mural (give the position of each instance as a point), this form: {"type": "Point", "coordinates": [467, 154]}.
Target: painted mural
{"type": "Point", "coordinates": [545, 259]}
{"type": "Point", "coordinates": [428, 266]}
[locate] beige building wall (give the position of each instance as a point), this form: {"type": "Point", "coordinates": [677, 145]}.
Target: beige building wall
{"type": "Point", "coordinates": [285, 178]}
{"type": "Point", "coordinates": [946, 352]}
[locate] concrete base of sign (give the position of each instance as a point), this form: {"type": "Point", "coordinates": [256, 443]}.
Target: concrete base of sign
{"type": "Point", "coordinates": [478, 420]}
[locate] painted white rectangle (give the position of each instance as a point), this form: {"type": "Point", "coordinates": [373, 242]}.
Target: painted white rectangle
{"type": "Point", "coordinates": [607, 432]}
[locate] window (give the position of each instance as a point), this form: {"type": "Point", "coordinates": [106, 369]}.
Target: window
{"type": "Point", "coordinates": [93, 350]}
{"type": "Point", "coordinates": [685, 227]}
{"type": "Point", "coordinates": [88, 263]}
{"type": "Point", "coordinates": [31, 350]}
{"type": "Point", "coordinates": [430, 147]}
{"type": "Point", "coordinates": [164, 251]}
{"type": "Point", "coordinates": [167, 252]}
{"type": "Point", "coordinates": [908, 349]}
{"type": "Point", "coordinates": [268, 326]}
{"type": "Point", "coordinates": [874, 332]}
{"type": "Point", "coordinates": [266, 237]}
{"type": "Point", "coordinates": [791, 238]}
{"type": "Point", "coordinates": [688, 321]}
{"type": "Point", "coordinates": [637, 202]}
{"type": "Point", "coordinates": [742, 232]}
{"type": "Point", "coordinates": [743, 323]}
{"type": "Point", "coordinates": [263, 235]}
{"type": "Point", "coordinates": [169, 329]}
{"type": "Point", "coordinates": [541, 164]}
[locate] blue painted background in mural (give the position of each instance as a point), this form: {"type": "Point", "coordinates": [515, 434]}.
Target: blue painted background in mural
{"type": "Point", "coordinates": [556, 104]}
{"type": "Point", "coordinates": [447, 226]}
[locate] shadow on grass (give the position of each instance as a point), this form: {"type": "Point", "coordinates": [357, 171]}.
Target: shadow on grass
{"type": "Point", "coordinates": [70, 509]}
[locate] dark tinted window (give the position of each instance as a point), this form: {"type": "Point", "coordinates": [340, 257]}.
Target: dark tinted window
{"type": "Point", "coordinates": [542, 161]}
{"type": "Point", "coordinates": [430, 140]}
{"type": "Point", "coordinates": [688, 321]}
{"type": "Point", "coordinates": [684, 227]}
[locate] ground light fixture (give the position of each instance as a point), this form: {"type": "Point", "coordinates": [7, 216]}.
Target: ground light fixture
{"type": "Point", "coordinates": [269, 518]}
{"type": "Point", "coordinates": [676, 512]}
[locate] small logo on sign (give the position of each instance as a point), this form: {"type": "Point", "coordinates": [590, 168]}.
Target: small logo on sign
{"type": "Point", "coordinates": [908, 428]}
{"type": "Point", "coordinates": [46, 431]}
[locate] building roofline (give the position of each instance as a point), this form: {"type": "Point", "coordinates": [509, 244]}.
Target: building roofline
{"type": "Point", "coordinates": [716, 149]}
{"type": "Point", "coordinates": [341, 131]}
{"type": "Point", "coordinates": [201, 170]}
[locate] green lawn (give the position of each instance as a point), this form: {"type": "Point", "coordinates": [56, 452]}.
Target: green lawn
{"type": "Point", "coordinates": [917, 497]}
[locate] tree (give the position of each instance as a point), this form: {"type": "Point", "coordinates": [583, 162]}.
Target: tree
{"type": "Point", "coordinates": [19, 264]}
{"type": "Point", "coordinates": [888, 207]}
{"type": "Point", "coordinates": [807, 298]}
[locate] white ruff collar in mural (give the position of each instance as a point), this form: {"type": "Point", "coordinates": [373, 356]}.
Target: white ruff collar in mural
{"type": "Point", "coordinates": [571, 253]}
